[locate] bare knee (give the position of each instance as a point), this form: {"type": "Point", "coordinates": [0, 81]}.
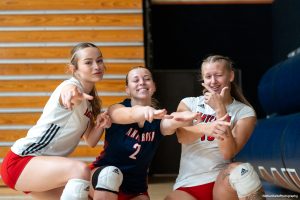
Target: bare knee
{"type": "Point", "coordinates": [169, 197]}
{"type": "Point", "coordinates": [225, 188]}
{"type": "Point", "coordinates": [223, 177]}
{"type": "Point", "coordinates": [80, 170]}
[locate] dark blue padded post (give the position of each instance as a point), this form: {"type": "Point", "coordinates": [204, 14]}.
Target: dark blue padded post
{"type": "Point", "coordinates": [279, 88]}
{"type": "Point", "coordinates": [274, 148]}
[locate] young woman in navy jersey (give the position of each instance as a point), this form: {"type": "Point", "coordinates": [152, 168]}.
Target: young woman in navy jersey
{"type": "Point", "coordinates": [37, 163]}
{"type": "Point", "coordinates": [120, 172]}
{"type": "Point", "coordinates": [206, 168]}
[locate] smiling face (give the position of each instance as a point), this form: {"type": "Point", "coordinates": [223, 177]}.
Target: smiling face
{"type": "Point", "coordinates": [90, 66]}
{"type": "Point", "coordinates": [216, 75]}
{"type": "Point", "coordinates": [140, 85]}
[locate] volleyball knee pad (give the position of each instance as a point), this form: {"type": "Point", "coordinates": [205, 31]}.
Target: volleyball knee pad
{"type": "Point", "coordinates": [76, 189]}
{"type": "Point", "coordinates": [244, 180]}
{"type": "Point", "coordinates": [107, 178]}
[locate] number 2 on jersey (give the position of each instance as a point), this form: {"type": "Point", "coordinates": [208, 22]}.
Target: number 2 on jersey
{"type": "Point", "coordinates": [137, 148]}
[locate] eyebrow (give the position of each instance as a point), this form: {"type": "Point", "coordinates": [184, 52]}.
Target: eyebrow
{"type": "Point", "coordinates": [136, 76]}
{"type": "Point", "coordinates": [92, 58]}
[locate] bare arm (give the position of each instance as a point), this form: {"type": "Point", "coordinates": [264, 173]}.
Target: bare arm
{"type": "Point", "coordinates": [184, 118]}
{"type": "Point", "coordinates": [189, 133]}
{"type": "Point", "coordinates": [216, 129]}
{"type": "Point", "coordinates": [93, 134]}
{"type": "Point", "coordinates": [227, 145]}
{"type": "Point", "coordinates": [237, 137]}
{"type": "Point", "coordinates": [137, 114]}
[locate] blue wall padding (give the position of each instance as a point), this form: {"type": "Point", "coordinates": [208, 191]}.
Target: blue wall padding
{"type": "Point", "coordinates": [264, 145]}
{"type": "Point", "coordinates": [274, 143]}
{"type": "Point", "coordinates": [291, 147]}
{"type": "Point", "coordinates": [279, 88]}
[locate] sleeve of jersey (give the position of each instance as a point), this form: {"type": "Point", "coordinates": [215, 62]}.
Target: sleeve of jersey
{"type": "Point", "coordinates": [188, 101]}
{"type": "Point", "coordinates": [245, 112]}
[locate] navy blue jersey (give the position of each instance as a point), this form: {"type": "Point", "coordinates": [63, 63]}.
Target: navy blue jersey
{"type": "Point", "coordinates": [131, 149]}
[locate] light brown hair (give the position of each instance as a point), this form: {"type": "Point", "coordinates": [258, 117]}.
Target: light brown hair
{"type": "Point", "coordinates": [96, 101]}
{"type": "Point", "coordinates": [235, 90]}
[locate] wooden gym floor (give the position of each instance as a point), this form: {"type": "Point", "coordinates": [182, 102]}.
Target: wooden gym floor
{"type": "Point", "coordinates": [159, 187]}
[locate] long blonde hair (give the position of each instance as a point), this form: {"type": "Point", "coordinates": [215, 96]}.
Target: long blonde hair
{"type": "Point", "coordinates": [96, 101]}
{"type": "Point", "coordinates": [235, 90]}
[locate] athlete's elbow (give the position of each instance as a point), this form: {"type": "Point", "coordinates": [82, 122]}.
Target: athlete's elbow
{"type": "Point", "coordinates": [180, 140]}
{"type": "Point", "coordinates": [91, 143]}
{"type": "Point", "coordinates": [184, 139]}
{"type": "Point", "coordinates": [179, 136]}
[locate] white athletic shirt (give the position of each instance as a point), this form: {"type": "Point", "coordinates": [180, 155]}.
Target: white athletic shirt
{"type": "Point", "coordinates": [59, 130]}
{"type": "Point", "coordinates": [201, 161]}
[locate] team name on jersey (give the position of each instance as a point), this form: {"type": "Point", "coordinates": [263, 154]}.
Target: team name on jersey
{"type": "Point", "coordinates": [209, 118]}
{"type": "Point", "coordinates": [141, 137]}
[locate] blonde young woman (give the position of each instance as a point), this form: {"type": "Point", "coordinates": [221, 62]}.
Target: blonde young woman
{"type": "Point", "coordinates": [37, 163]}
{"type": "Point", "coordinates": [206, 168]}
{"type": "Point", "coordinates": [120, 172]}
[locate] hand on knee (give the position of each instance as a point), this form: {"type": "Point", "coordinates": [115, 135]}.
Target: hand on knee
{"type": "Point", "coordinates": [244, 180]}
{"type": "Point", "coordinates": [107, 178]}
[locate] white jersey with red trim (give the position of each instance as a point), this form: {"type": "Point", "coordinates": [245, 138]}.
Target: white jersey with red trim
{"type": "Point", "coordinates": [58, 130]}
{"type": "Point", "coordinates": [201, 161]}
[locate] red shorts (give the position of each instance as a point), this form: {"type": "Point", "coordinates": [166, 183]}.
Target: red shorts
{"type": "Point", "coordinates": [12, 167]}
{"type": "Point", "coordinates": [200, 192]}
{"type": "Point", "coordinates": [124, 196]}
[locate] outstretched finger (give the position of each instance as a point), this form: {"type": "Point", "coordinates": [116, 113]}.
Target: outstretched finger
{"type": "Point", "coordinates": [66, 100]}
{"type": "Point", "coordinates": [198, 117]}
{"type": "Point", "coordinates": [224, 123]}
{"type": "Point", "coordinates": [224, 118]}
{"type": "Point", "coordinates": [87, 96]}
{"type": "Point", "coordinates": [217, 136]}
{"type": "Point", "coordinates": [168, 117]}
{"type": "Point", "coordinates": [106, 123]}
{"type": "Point", "coordinates": [148, 115]}
{"type": "Point", "coordinates": [104, 114]}
{"type": "Point", "coordinates": [160, 112]}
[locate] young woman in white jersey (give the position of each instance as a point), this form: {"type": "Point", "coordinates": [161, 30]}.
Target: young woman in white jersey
{"type": "Point", "coordinates": [37, 163]}
{"type": "Point", "coordinates": [206, 168]}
